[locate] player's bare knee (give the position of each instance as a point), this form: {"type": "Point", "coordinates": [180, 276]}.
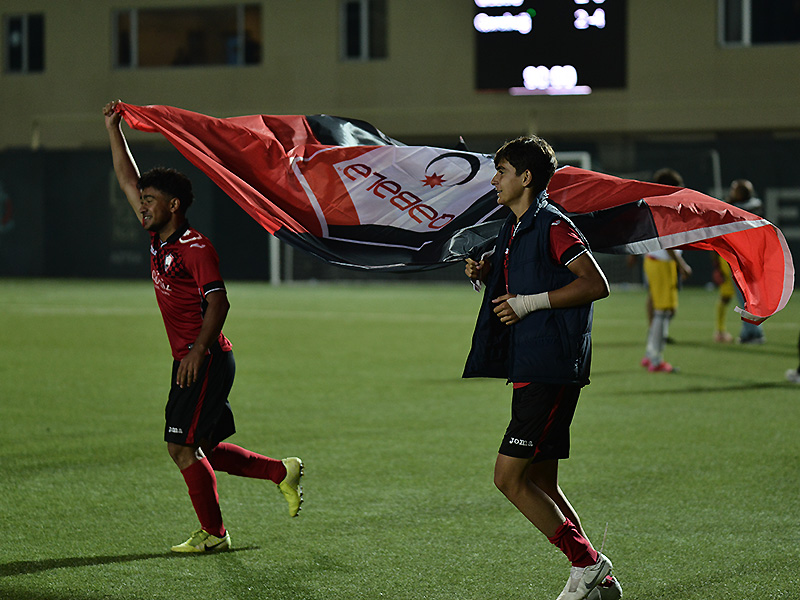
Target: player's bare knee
{"type": "Point", "coordinates": [175, 451]}
{"type": "Point", "coordinates": [506, 483]}
{"type": "Point", "coordinates": [183, 456]}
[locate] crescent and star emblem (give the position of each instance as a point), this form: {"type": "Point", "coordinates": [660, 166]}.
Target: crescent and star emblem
{"type": "Point", "coordinates": [435, 179]}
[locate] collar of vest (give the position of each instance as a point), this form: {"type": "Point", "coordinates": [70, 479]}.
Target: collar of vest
{"type": "Point", "coordinates": [539, 202]}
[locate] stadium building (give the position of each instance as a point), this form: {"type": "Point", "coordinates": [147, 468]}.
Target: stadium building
{"type": "Point", "coordinates": [709, 88]}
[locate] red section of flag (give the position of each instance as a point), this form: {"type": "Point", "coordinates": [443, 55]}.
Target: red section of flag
{"type": "Point", "coordinates": [755, 249]}
{"type": "Point", "coordinates": [249, 158]}
{"type": "Point", "coordinates": [320, 175]}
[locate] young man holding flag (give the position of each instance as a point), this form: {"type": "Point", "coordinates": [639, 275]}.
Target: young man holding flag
{"type": "Point", "coordinates": [194, 304]}
{"type": "Point", "coordinates": [534, 329]}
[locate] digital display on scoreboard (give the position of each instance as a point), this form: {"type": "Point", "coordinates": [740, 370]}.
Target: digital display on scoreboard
{"type": "Point", "coordinates": [550, 46]}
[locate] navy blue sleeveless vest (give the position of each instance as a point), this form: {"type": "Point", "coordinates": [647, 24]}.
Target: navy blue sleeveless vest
{"type": "Point", "coordinates": [547, 346]}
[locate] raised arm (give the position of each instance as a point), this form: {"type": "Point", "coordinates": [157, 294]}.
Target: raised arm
{"type": "Point", "coordinates": [124, 164]}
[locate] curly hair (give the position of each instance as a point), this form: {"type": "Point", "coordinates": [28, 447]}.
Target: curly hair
{"type": "Point", "coordinates": [171, 182]}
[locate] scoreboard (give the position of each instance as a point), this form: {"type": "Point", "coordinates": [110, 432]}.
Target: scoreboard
{"type": "Point", "coordinates": [550, 46]}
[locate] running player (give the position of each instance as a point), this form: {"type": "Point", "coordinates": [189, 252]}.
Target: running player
{"type": "Point", "coordinates": [534, 330]}
{"type": "Point", "coordinates": [194, 304]}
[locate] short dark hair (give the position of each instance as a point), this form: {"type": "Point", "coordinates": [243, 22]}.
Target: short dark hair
{"type": "Point", "coordinates": [667, 176]}
{"type": "Point", "coordinates": [530, 153]}
{"type": "Point", "coordinates": [741, 190]}
{"type": "Point", "coordinates": [169, 181]}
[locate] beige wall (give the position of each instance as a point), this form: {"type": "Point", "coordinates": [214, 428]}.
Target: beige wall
{"type": "Point", "coordinates": [679, 79]}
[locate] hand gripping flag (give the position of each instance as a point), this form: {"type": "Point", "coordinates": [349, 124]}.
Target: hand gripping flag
{"type": "Point", "coordinates": [343, 191]}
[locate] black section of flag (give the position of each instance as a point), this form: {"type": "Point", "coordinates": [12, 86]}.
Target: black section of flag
{"type": "Point", "coordinates": [612, 229]}
{"type": "Point", "coordinates": [337, 131]}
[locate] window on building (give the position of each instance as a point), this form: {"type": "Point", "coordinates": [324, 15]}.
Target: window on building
{"type": "Point", "coordinates": [24, 43]}
{"type": "Point", "coordinates": [182, 37]}
{"type": "Point", "coordinates": [756, 22]}
{"type": "Point", "coordinates": [364, 31]}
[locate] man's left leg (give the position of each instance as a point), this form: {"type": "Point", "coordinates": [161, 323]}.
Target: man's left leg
{"type": "Point", "coordinates": [286, 473]}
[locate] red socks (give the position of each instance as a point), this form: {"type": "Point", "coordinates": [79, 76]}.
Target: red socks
{"type": "Point", "coordinates": [577, 548]}
{"type": "Point", "coordinates": [202, 484]}
{"type": "Point", "coordinates": [238, 461]}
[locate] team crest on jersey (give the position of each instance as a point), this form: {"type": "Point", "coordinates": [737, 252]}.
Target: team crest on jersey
{"type": "Point", "coordinates": [171, 264]}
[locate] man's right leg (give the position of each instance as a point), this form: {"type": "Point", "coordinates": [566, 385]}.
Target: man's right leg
{"type": "Point", "coordinates": [520, 481]}
{"type": "Point", "coordinates": [544, 475]}
{"type": "Point", "coordinates": [511, 478]}
{"type": "Point", "coordinates": [202, 486]}
{"type": "Point", "coordinates": [655, 338]}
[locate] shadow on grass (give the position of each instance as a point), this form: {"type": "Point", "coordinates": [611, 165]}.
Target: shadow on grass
{"type": "Point", "coordinates": [714, 389]}
{"type": "Point", "coordinates": [769, 349]}
{"type": "Point", "coordinates": [709, 385]}
{"type": "Point", "coordinates": [272, 580]}
{"type": "Point", "coordinates": [27, 567]}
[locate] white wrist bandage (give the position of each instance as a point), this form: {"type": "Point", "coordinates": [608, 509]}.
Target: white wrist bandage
{"type": "Point", "coordinates": [522, 305]}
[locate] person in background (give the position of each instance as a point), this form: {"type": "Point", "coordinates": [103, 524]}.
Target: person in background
{"type": "Point", "coordinates": [665, 176]}
{"type": "Point", "coordinates": [662, 268]}
{"type": "Point", "coordinates": [742, 195]}
{"type": "Point", "coordinates": [664, 271]}
{"type": "Point", "coordinates": [722, 277]}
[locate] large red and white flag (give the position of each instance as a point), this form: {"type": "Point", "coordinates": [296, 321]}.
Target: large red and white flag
{"type": "Point", "coordinates": [339, 188]}
{"type": "Point", "coordinates": [343, 191]}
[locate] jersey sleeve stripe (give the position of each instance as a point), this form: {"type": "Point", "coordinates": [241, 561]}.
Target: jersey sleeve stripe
{"type": "Point", "coordinates": [214, 286]}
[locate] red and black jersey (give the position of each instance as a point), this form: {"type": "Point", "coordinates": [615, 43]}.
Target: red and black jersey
{"type": "Point", "coordinates": [185, 269]}
{"type": "Point", "coordinates": [565, 243]}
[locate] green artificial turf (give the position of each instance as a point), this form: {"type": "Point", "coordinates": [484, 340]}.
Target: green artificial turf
{"type": "Point", "coordinates": [695, 476]}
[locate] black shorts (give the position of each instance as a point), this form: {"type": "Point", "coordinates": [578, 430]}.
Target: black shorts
{"type": "Point", "coordinates": [201, 412]}
{"type": "Point", "coordinates": [541, 414]}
